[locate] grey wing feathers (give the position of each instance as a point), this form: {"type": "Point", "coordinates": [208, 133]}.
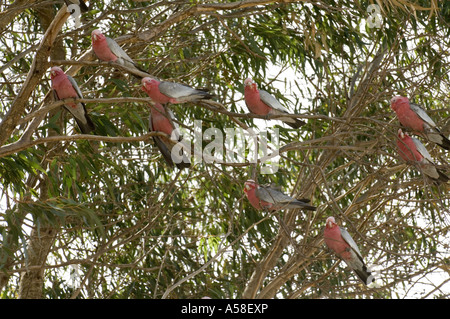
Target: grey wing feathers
{"type": "Point", "coordinates": [431, 130]}
{"type": "Point", "coordinates": [422, 150]}
{"type": "Point", "coordinates": [79, 113]}
{"type": "Point", "coordinates": [75, 86]}
{"type": "Point", "coordinates": [281, 200]}
{"type": "Point", "coordinates": [278, 109]}
{"type": "Point", "coordinates": [122, 57]}
{"type": "Point", "coordinates": [346, 236]}
{"type": "Point", "coordinates": [358, 266]}
{"type": "Point", "coordinates": [422, 114]}
{"type": "Point", "coordinates": [183, 93]}
{"type": "Point", "coordinates": [429, 168]}
{"type": "Point", "coordinates": [271, 101]}
{"type": "Point", "coordinates": [273, 196]}
{"type": "Point", "coordinates": [117, 50]}
{"type": "Point", "coordinates": [175, 90]}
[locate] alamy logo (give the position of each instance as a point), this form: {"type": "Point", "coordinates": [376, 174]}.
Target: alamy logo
{"type": "Point", "coordinates": [230, 146]}
{"type": "Point", "coordinates": [73, 280]}
{"type": "Point", "coordinates": [75, 12]}
{"type": "Point", "coordinates": [375, 271]}
{"type": "Point", "coordinates": [374, 20]}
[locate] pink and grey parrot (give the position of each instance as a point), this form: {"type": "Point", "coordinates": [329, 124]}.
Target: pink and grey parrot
{"type": "Point", "coordinates": [261, 102]}
{"type": "Point", "coordinates": [270, 198]}
{"type": "Point", "coordinates": [413, 151]}
{"type": "Point", "coordinates": [108, 50]}
{"type": "Point", "coordinates": [163, 121]}
{"type": "Point", "coordinates": [339, 240]}
{"type": "Point", "coordinates": [80, 3]}
{"type": "Point", "coordinates": [64, 86]}
{"type": "Point", "coordinates": [414, 117]}
{"type": "Point", "coordinates": [169, 92]}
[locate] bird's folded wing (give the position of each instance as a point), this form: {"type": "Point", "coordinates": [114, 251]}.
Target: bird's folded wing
{"type": "Point", "coordinates": [75, 86]}
{"type": "Point", "coordinates": [273, 196]}
{"type": "Point", "coordinates": [175, 90]}
{"type": "Point", "coordinates": [422, 150]}
{"type": "Point", "coordinates": [117, 50]}
{"type": "Point", "coordinates": [271, 101]}
{"type": "Point", "coordinates": [422, 114]}
{"type": "Point", "coordinates": [346, 236]}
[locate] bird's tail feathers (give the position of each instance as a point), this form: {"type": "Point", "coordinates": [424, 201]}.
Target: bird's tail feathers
{"type": "Point", "coordinates": [443, 178]}
{"type": "Point", "coordinates": [297, 124]}
{"type": "Point", "coordinates": [87, 127]}
{"type": "Point", "coordinates": [303, 205]}
{"type": "Point", "coordinates": [440, 139]}
{"type": "Point", "coordinates": [137, 66]}
{"type": "Point", "coordinates": [365, 275]}
{"type": "Point", "coordinates": [445, 143]}
{"type": "Point", "coordinates": [205, 94]}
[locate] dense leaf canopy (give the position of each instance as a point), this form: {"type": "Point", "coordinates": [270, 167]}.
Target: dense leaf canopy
{"type": "Point", "coordinates": [104, 216]}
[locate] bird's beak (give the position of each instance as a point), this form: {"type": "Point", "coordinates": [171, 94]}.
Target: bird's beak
{"type": "Point", "coordinates": [143, 81]}
{"type": "Point", "coordinates": [52, 73]}
{"type": "Point", "coordinates": [94, 37]}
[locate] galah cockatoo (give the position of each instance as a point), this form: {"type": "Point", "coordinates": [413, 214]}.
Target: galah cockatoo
{"type": "Point", "coordinates": [261, 102]}
{"type": "Point", "coordinates": [64, 86]}
{"type": "Point", "coordinates": [169, 92]}
{"type": "Point", "coordinates": [268, 197]}
{"type": "Point", "coordinates": [162, 121]}
{"type": "Point", "coordinates": [80, 3]}
{"type": "Point", "coordinates": [339, 240]}
{"type": "Point", "coordinates": [413, 151]}
{"type": "Point", "coordinates": [414, 117]}
{"type": "Point", "coordinates": [108, 50]}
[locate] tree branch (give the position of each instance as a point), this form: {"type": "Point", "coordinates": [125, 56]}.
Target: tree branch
{"type": "Point", "coordinates": [22, 145]}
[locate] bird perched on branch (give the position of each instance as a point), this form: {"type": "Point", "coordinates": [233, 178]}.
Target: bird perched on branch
{"type": "Point", "coordinates": [339, 240]}
{"type": "Point", "coordinates": [169, 92]}
{"type": "Point", "coordinates": [261, 102]}
{"type": "Point", "coordinates": [413, 151]}
{"type": "Point", "coordinates": [269, 197]}
{"type": "Point", "coordinates": [64, 86]}
{"type": "Point", "coordinates": [106, 49]}
{"type": "Point", "coordinates": [163, 121]}
{"type": "Point", "coordinates": [414, 117]}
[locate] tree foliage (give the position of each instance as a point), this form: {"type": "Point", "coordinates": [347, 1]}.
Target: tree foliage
{"type": "Point", "coordinates": [103, 216]}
